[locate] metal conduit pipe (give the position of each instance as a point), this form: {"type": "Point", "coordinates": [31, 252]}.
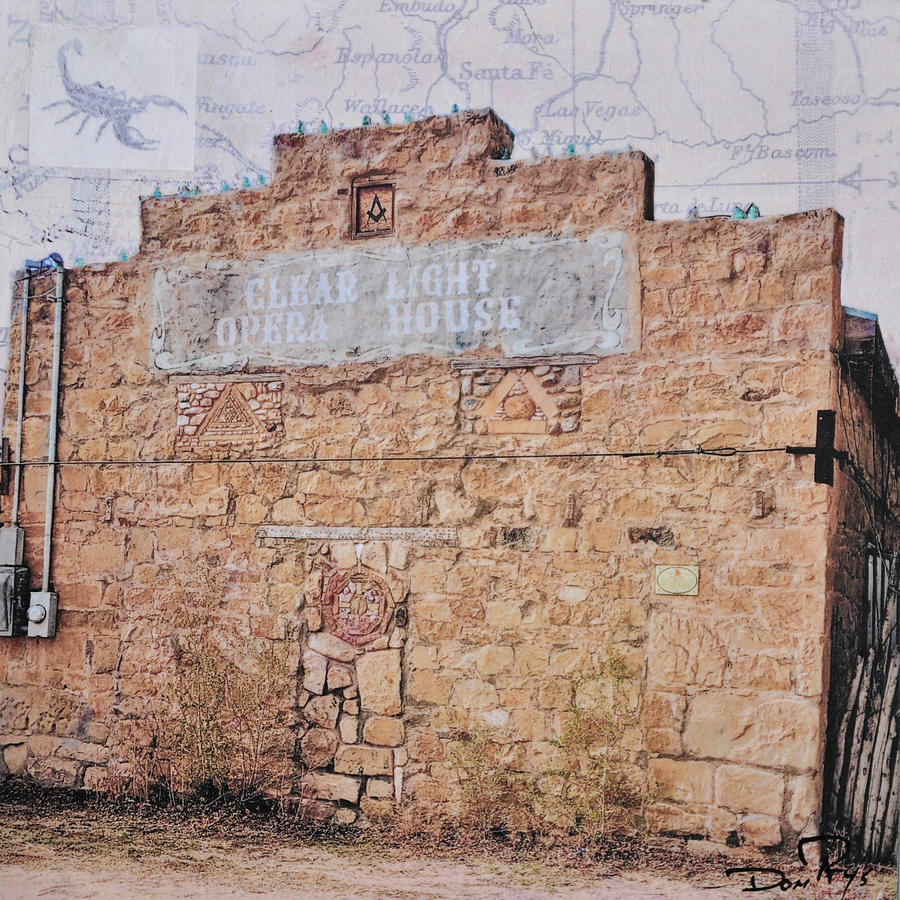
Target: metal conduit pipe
{"type": "Point", "coordinates": [52, 428]}
{"type": "Point", "coordinates": [20, 411]}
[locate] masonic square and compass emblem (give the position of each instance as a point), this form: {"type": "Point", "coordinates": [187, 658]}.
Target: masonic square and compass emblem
{"type": "Point", "coordinates": [373, 208]}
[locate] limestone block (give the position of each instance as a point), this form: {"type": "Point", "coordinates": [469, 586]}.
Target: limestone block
{"type": "Point", "coordinates": [721, 825]}
{"type": "Point", "coordinates": [503, 614]}
{"type": "Point", "coordinates": [491, 660]}
{"type": "Point", "coordinates": [731, 433]}
{"type": "Point", "coordinates": [749, 790]}
{"type": "Point", "coordinates": [398, 638]}
{"type": "Point", "coordinates": [53, 772]}
{"type": "Point", "coordinates": [531, 659]}
{"type": "Point", "coordinates": [349, 729]}
{"type": "Point", "coordinates": [345, 816]}
{"type": "Point", "coordinates": [322, 710]}
{"type": "Point", "coordinates": [315, 668]}
{"type": "Point", "coordinates": [378, 677]}
{"type": "Point", "coordinates": [332, 646]}
{"type": "Point", "coordinates": [687, 781]}
{"type": "Point", "coordinates": [685, 650]}
{"type": "Point", "coordinates": [96, 732]}
{"type": "Point", "coordinates": [573, 594]}
{"type": "Point", "coordinates": [426, 686]}
{"type": "Point", "coordinates": [383, 731]}
{"type": "Point", "coordinates": [424, 747]}
{"type": "Point", "coordinates": [664, 741]}
{"type": "Point", "coordinates": [250, 509]}
{"type": "Point", "coordinates": [493, 719]}
{"type": "Point", "coordinates": [809, 668]}
{"type": "Point", "coordinates": [674, 819]}
{"type": "Point", "coordinates": [375, 556]}
{"type": "Point", "coordinates": [570, 661]}
{"type": "Point", "coordinates": [454, 506]}
{"type": "Point", "coordinates": [376, 810]}
{"type": "Point", "coordinates": [803, 810]}
{"type": "Point", "coordinates": [95, 778]}
{"type": "Point", "coordinates": [554, 694]}
{"type": "Point", "coordinates": [359, 760]}
{"type": "Point", "coordinates": [327, 786]}
{"type": "Point", "coordinates": [80, 750]}
{"type": "Point", "coordinates": [663, 710]}
{"type": "Point", "coordinates": [343, 552]}
{"type": "Point", "coordinates": [339, 676]}
{"type": "Point", "coordinates": [317, 747]}
{"type": "Point", "coordinates": [15, 757]}
{"type": "Point", "coordinates": [315, 810]}
{"type": "Point", "coordinates": [761, 831]}
{"type": "Point", "coordinates": [380, 788]}
{"type": "Point", "coordinates": [287, 511]}
{"type": "Point", "coordinates": [312, 615]}
{"type": "Point", "coordinates": [659, 433]}
{"type": "Point", "coordinates": [780, 732]}
{"type": "Point", "coordinates": [422, 657]}
{"type": "Point", "coordinates": [760, 671]}
{"type": "Point", "coordinates": [602, 537]}
{"type": "Point", "coordinates": [105, 654]}
{"type": "Point", "coordinates": [398, 555]}
{"type": "Point", "coordinates": [560, 540]}
{"type": "Point", "coordinates": [473, 694]}
{"type": "Point", "coordinates": [401, 757]}
{"type": "Point", "coordinates": [529, 725]}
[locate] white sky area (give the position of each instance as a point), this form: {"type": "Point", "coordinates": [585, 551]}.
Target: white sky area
{"type": "Point", "coordinates": [791, 104]}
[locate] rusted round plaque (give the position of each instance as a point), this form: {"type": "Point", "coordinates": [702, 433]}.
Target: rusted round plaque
{"type": "Point", "coordinates": [357, 605]}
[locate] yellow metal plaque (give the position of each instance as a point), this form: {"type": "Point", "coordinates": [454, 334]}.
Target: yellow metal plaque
{"type": "Point", "coordinates": [677, 579]}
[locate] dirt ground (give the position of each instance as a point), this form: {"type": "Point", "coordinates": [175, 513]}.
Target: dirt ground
{"type": "Point", "coordinates": [91, 851]}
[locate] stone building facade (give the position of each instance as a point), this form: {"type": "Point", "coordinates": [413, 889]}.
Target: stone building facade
{"type": "Point", "coordinates": [233, 390]}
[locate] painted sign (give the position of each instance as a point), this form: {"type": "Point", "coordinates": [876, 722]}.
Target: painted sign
{"type": "Point", "coordinates": [527, 296]}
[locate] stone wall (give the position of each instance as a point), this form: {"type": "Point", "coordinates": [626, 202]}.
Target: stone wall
{"type": "Point", "coordinates": [529, 570]}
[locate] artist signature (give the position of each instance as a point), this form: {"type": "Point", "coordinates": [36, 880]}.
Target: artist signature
{"type": "Point", "coordinates": [833, 850]}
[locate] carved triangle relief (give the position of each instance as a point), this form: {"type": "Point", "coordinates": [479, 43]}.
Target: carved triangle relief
{"type": "Point", "coordinates": [542, 400]}
{"type": "Point", "coordinates": [217, 415]}
{"type": "Point", "coordinates": [230, 417]}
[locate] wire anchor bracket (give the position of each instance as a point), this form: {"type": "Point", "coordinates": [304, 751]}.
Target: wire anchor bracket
{"type": "Point", "coordinates": [824, 451]}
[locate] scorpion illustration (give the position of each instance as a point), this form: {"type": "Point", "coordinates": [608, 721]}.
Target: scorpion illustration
{"type": "Point", "coordinates": [97, 101]}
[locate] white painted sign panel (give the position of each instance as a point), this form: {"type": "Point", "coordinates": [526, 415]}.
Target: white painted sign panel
{"type": "Point", "coordinates": [526, 296]}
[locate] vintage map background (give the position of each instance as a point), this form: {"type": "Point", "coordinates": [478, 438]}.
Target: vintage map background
{"type": "Point", "coordinates": [792, 104]}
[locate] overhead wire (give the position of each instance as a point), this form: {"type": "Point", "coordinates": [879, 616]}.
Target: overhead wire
{"type": "Point", "coordinates": [449, 457]}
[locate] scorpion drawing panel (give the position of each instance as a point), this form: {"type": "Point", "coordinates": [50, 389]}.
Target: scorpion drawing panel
{"type": "Point", "coordinates": [113, 98]}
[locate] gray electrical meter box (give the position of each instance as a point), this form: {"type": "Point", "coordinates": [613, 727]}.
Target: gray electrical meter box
{"type": "Point", "coordinates": [14, 601]}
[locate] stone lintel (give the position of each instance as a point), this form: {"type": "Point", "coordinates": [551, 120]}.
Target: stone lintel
{"type": "Point", "coordinates": [417, 535]}
{"type": "Point", "coordinates": [522, 362]}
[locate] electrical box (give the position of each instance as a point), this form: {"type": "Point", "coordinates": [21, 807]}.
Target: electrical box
{"type": "Point", "coordinates": [14, 601]}
{"type": "Point", "coordinates": [12, 545]}
{"type": "Point", "coordinates": [42, 614]}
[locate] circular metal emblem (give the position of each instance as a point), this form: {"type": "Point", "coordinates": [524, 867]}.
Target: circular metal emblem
{"type": "Point", "coordinates": [677, 579]}
{"type": "Point", "coordinates": [357, 605]}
